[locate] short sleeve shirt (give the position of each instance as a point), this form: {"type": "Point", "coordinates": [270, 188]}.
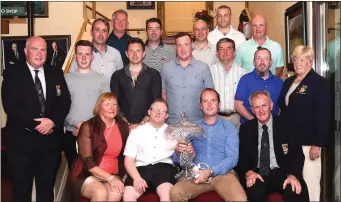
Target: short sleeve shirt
{"type": "Point", "coordinates": [246, 50]}
{"type": "Point", "coordinates": [214, 36]}
{"type": "Point", "coordinates": [252, 82]}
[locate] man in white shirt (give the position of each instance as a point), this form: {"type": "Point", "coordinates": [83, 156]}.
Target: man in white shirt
{"type": "Point", "coordinates": [203, 50]}
{"type": "Point", "coordinates": [148, 157]}
{"type": "Point", "coordinates": [107, 59]}
{"type": "Point", "coordinates": [224, 28]}
{"type": "Point", "coordinates": [226, 75]}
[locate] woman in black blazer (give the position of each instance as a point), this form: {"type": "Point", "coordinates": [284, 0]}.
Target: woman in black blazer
{"type": "Point", "coordinates": [305, 104]}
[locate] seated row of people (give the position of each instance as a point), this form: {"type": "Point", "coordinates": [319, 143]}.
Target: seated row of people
{"type": "Point", "coordinates": [264, 155]}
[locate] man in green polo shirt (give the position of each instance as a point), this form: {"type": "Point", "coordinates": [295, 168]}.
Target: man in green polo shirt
{"type": "Point", "coordinates": [247, 49]}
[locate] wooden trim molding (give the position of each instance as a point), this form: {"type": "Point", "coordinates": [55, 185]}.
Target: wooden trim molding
{"type": "Point", "coordinates": [4, 26]}
{"type": "Point", "coordinates": [160, 8]}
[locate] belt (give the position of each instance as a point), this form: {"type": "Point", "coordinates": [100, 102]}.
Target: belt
{"type": "Point", "coordinates": [226, 113]}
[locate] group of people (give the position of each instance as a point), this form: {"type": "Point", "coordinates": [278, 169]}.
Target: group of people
{"type": "Point", "coordinates": [262, 135]}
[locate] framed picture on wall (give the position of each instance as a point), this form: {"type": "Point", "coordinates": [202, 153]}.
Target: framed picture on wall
{"type": "Point", "coordinates": [18, 8]}
{"type": "Point", "coordinates": [12, 51]}
{"type": "Point", "coordinates": [137, 5]}
{"type": "Point", "coordinates": [295, 29]}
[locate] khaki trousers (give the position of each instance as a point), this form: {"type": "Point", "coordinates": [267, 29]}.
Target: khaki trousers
{"type": "Point", "coordinates": [226, 186]}
{"type": "Point", "coordinates": [234, 119]}
{"type": "Point", "coordinates": [312, 174]}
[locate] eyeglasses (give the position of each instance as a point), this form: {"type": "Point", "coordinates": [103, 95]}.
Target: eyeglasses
{"type": "Point", "coordinates": [161, 111]}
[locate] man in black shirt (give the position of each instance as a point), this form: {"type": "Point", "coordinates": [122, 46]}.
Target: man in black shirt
{"type": "Point", "coordinates": [136, 85]}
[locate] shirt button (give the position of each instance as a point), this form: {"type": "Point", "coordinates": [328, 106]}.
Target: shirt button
{"type": "Point", "coordinates": [266, 86]}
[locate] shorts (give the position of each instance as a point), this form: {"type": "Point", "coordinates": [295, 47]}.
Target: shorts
{"type": "Point", "coordinates": [154, 175]}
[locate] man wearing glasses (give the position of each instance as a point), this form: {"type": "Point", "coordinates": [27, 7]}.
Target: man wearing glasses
{"type": "Point", "coordinates": [260, 78]}
{"type": "Point", "coordinates": [148, 157]}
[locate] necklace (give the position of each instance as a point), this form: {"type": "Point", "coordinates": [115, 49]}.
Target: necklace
{"type": "Point", "coordinates": [134, 75]}
{"type": "Point", "coordinates": [107, 129]}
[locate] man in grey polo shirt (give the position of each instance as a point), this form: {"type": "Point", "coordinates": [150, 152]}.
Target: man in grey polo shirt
{"type": "Point", "coordinates": [85, 86]}
{"type": "Point", "coordinates": [183, 79]}
{"type": "Point", "coordinates": [157, 53]}
{"type": "Point", "coordinates": [246, 50]}
{"type": "Point", "coordinates": [107, 59]}
{"type": "Point", "coordinates": [203, 50]}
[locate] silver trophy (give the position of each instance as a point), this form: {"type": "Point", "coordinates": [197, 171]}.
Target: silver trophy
{"type": "Point", "coordinates": [185, 131]}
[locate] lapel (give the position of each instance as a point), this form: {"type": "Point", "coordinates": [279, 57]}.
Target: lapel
{"type": "Point", "coordinates": [49, 88]}
{"type": "Point", "coordinates": [277, 141]}
{"type": "Point", "coordinates": [303, 82]}
{"type": "Point", "coordinates": [254, 141]}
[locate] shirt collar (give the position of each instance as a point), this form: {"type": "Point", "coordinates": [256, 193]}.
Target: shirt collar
{"type": "Point", "coordinates": [176, 60]}
{"type": "Point", "coordinates": [41, 69]}
{"type": "Point", "coordinates": [232, 31]}
{"type": "Point", "coordinates": [96, 50]}
{"type": "Point", "coordinates": [125, 35]}
{"type": "Point", "coordinates": [254, 42]}
{"type": "Point", "coordinates": [216, 122]}
{"type": "Point", "coordinates": [160, 44]}
{"type": "Point", "coordinates": [268, 124]}
{"type": "Point", "coordinates": [209, 46]}
{"type": "Point", "coordinates": [258, 77]}
{"type": "Point", "coordinates": [126, 69]}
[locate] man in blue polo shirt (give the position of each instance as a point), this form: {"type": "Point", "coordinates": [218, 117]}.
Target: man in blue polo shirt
{"type": "Point", "coordinates": [119, 38]}
{"type": "Point", "coordinates": [260, 78]}
{"type": "Point", "coordinates": [245, 51]}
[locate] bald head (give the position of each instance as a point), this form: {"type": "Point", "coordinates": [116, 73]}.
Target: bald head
{"type": "Point", "coordinates": [34, 39]}
{"type": "Point", "coordinates": [35, 51]}
{"type": "Point", "coordinates": [259, 27]}
{"type": "Point", "coordinates": [200, 29]}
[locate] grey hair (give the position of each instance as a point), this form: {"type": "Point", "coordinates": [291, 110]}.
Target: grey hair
{"type": "Point", "coordinates": [258, 93]}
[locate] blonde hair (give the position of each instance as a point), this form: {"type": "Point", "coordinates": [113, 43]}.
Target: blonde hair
{"type": "Point", "coordinates": [103, 97]}
{"type": "Point", "coordinates": [303, 51]}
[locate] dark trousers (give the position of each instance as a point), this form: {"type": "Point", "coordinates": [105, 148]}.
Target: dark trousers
{"type": "Point", "coordinates": [69, 147]}
{"type": "Point", "coordinates": [42, 167]}
{"type": "Point", "coordinates": [274, 183]}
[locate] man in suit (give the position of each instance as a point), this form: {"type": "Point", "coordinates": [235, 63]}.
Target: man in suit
{"type": "Point", "coordinates": [56, 57]}
{"type": "Point", "coordinates": [269, 161]}
{"type": "Point", "coordinates": [36, 100]}
{"type": "Point", "coordinates": [14, 56]}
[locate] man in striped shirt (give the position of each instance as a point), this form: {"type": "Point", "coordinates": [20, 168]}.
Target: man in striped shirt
{"type": "Point", "coordinates": [226, 75]}
{"type": "Point", "coordinates": [157, 53]}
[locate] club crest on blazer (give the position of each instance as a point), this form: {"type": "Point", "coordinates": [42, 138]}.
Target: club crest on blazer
{"type": "Point", "coordinates": [59, 92]}
{"type": "Point", "coordinates": [303, 89]}
{"type": "Point", "coordinates": [285, 148]}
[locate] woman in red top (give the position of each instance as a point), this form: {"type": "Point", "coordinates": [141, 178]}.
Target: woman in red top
{"type": "Point", "coordinates": [98, 171]}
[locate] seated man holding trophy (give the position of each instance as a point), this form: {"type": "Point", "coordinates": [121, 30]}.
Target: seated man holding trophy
{"type": "Point", "coordinates": [148, 156]}
{"type": "Point", "coordinates": [217, 151]}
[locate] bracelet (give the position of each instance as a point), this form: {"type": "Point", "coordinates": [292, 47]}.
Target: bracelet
{"type": "Point", "coordinates": [111, 177]}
